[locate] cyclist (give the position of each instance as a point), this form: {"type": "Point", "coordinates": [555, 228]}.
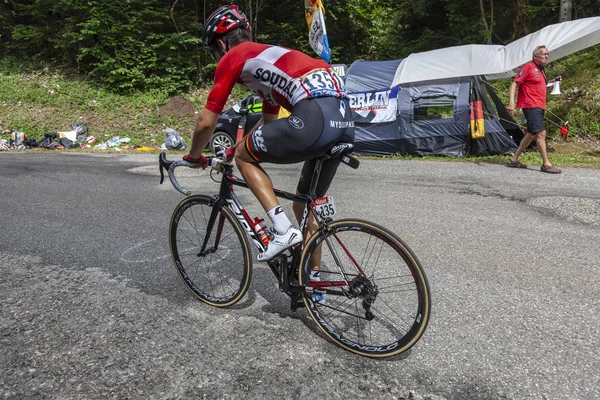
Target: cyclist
{"type": "Point", "coordinates": [307, 87]}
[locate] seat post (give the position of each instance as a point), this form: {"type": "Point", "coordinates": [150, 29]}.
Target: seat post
{"type": "Point", "coordinates": [312, 192]}
{"type": "Point", "coordinates": [336, 151]}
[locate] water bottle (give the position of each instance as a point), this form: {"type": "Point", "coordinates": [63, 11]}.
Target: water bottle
{"type": "Point", "coordinates": [262, 230]}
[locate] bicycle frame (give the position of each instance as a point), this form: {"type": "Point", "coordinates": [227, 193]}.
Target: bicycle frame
{"type": "Point", "coordinates": [279, 265]}
{"type": "Point", "coordinates": [370, 276]}
{"type": "Point", "coordinates": [227, 195]}
{"type": "Point", "coordinates": [282, 266]}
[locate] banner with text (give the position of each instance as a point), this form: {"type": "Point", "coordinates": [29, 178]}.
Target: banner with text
{"type": "Point", "coordinates": [375, 106]}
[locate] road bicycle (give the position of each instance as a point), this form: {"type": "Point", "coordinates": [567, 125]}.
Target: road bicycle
{"type": "Point", "coordinates": [373, 296]}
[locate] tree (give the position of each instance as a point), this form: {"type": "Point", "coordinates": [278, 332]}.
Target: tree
{"type": "Point", "coordinates": [145, 44]}
{"type": "Point", "coordinates": [565, 10]}
{"type": "Point", "coordinates": [488, 28]}
{"type": "Point", "coordinates": [520, 20]}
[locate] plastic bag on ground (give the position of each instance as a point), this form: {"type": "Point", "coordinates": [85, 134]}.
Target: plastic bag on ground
{"type": "Point", "coordinates": [173, 140]}
{"type": "Point", "coordinates": [77, 134]}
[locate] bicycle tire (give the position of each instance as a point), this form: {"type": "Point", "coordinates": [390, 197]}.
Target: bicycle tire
{"type": "Point", "coordinates": [400, 303]}
{"type": "Point", "coordinates": [222, 275]}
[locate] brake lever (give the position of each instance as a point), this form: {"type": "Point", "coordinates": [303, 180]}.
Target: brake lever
{"type": "Point", "coordinates": [162, 174]}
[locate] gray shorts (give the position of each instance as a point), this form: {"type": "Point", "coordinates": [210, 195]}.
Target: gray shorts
{"type": "Point", "coordinates": [535, 119]}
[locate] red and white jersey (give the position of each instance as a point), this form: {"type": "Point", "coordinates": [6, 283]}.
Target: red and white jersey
{"type": "Point", "coordinates": [278, 75]}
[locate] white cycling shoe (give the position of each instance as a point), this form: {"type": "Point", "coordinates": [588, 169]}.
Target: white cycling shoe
{"type": "Point", "coordinates": [280, 243]}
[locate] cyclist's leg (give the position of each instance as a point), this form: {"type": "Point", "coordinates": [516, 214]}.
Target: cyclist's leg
{"type": "Point", "coordinates": [257, 179]}
{"type": "Point", "coordinates": [306, 134]}
{"type": "Point", "coordinates": [267, 143]}
{"type": "Point", "coordinates": [284, 235]}
{"type": "Point", "coordinates": [337, 127]}
{"type": "Point", "coordinates": [279, 142]}
{"type": "Point", "coordinates": [328, 171]}
{"type": "Point", "coordinates": [276, 142]}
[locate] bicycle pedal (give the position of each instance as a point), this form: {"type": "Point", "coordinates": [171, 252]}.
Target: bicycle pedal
{"type": "Point", "coordinates": [295, 301]}
{"type": "Point", "coordinates": [279, 259]}
{"type": "Point", "coordinates": [294, 305]}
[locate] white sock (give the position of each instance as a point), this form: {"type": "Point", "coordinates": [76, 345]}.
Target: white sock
{"type": "Point", "coordinates": [315, 276]}
{"type": "Point", "coordinates": [281, 223]}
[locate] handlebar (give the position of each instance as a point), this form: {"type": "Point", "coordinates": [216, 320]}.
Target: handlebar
{"type": "Point", "coordinates": [215, 163]}
{"type": "Point", "coordinates": [341, 150]}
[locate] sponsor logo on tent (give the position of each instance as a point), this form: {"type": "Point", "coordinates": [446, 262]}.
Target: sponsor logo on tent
{"type": "Point", "coordinates": [374, 106]}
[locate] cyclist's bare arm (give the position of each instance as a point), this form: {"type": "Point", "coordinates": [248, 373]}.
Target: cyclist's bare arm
{"type": "Point", "coordinates": [205, 126]}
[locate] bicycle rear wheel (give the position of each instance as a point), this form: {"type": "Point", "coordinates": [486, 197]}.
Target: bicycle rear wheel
{"type": "Point", "coordinates": [220, 274]}
{"type": "Point", "coordinates": [376, 299]}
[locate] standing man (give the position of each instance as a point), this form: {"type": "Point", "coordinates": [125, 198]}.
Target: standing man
{"type": "Point", "coordinates": [307, 87]}
{"type": "Point", "coordinates": [531, 83]}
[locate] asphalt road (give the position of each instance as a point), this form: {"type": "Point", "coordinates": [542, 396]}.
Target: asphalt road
{"type": "Point", "coordinates": [92, 308]}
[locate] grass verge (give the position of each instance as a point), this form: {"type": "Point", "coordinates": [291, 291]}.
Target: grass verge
{"type": "Point", "coordinates": [42, 102]}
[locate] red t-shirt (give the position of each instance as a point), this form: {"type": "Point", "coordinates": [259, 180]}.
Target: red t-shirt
{"type": "Point", "coordinates": [278, 75]}
{"type": "Point", "coordinates": [532, 86]}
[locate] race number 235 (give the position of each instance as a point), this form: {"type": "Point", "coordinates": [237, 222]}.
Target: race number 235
{"type": "Point", "coordinates": [324, 207]}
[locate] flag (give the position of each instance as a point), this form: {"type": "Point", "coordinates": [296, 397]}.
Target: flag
{"type": "Point", "coordinates": [477, 121]}
{"type": "Point", "coordinates": [317, 35]}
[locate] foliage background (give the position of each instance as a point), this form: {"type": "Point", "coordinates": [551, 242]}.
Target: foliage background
{"type": "Point", "coordinates": [155, 44]}
{"type": "Point", "coordinates": [119, 60]}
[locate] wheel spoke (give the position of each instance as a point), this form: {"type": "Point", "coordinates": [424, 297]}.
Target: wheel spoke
{"type": "Point", "coordinates": [387, 293]}
{"type": "Point", "coordinates": [220, 275]}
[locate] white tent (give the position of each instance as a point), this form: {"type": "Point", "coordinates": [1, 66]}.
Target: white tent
{"type": "Point", "coordinates": [498, 62]}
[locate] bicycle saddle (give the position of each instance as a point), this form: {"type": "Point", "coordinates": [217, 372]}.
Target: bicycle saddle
{"type": "Point", "coordinates": [339, 149]}
{"type": "Point", "coordinates": [342, 150]}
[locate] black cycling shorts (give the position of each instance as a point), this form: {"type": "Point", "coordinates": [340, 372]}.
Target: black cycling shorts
{"type": "Point", "coordinates": [314, 126]}
{"type": "Point", "coordinates": [535, 120]}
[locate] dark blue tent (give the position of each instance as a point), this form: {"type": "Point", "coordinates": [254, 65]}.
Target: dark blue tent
{"type": "Point", "coordinates": [424, 118]}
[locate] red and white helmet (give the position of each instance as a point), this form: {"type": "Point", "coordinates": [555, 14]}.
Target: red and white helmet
{"type": "Point", "coordinates": [224, 19]}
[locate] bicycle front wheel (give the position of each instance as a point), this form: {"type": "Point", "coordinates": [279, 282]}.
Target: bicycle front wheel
{"type": "Point", "coordinates": [217, 271]}
{"type": "Point", "coordinates": [373, 298]}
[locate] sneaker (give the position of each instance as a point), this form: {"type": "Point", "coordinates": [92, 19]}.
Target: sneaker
{"type": "Point", "coordinates": [280, 243]}
{"type": "Point", "coordinates": [515, 164]}
{"type": "Point", "coordinates": [550, 169]}
{"type": "Point", "coordinates": [315, 276]}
